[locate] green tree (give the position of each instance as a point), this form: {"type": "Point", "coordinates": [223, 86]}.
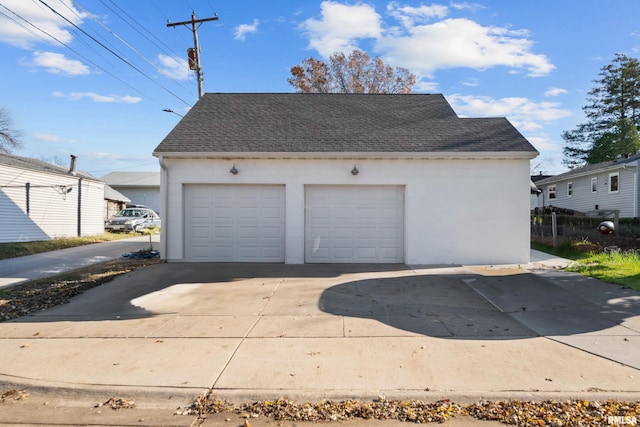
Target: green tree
{"type": "Point", "coordinates": [356, 73]}
{"type": "Point", "coordinates": [9, 137]}
{"type": "Point", "coordinates": [613, 114]}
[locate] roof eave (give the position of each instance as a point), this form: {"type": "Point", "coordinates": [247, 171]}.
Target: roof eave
{"type": "Point", "coordinates": [466, 155]}
{"type": "Point", "coordinates": [570, 176]}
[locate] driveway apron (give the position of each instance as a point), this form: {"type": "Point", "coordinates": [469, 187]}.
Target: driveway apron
{"type": "Point", "coordinates": [257, 331]}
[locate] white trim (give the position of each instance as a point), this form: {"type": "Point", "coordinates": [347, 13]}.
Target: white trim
{"type": "Point", "coordinates": [617, 175]}
{"type": "Point", "coordinates": [566, 175]}
{"type": "Point", "coordinates": [467, 155]}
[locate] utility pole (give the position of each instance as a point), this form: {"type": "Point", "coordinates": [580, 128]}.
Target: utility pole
{"type": "Point", "coordinates": [194, 54]}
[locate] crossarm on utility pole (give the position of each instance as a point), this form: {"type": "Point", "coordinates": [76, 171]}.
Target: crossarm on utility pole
{"type": "Point", "coordinates": [196, 47]}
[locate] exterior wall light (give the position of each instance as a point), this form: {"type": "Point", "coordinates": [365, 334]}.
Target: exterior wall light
{"type": "Point", "coordinates": [355, 170]}
{"type": "Point", "coordinates": [233, 170]}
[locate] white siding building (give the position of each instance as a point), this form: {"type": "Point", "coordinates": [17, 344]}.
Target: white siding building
{"type": "Point", "coordinates": [606, 186]}
{"type": "Point", "coordinates": [40, 201]}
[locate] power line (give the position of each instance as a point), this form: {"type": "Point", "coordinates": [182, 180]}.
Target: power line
{"type": "Point", "coordinates": [164, 46]}
{"type": "Point", "coordinates": [136, 29]}
{"type": "Point", "coordinates": [74, 51]}
{"type": "Point", "coordinates": [112, 52]}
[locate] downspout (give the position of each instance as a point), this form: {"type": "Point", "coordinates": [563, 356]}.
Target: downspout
{"type": "Point", "coordinates": [164, 207]}
{"type": "Point", "coordinates": [79, 207]}
{"type": "Point", "coordinates": [27, 187]}
{"type": "Point", "coordinates": [72, 172]}
{"type": "Point", "coordinates": [636, 196]}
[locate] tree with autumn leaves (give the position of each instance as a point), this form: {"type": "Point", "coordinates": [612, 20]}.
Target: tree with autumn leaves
{"type": "Point", "coordinates": [355, 73]}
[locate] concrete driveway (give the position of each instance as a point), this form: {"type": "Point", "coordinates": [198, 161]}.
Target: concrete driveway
{"type": "Point", "coordinates": [264, 331]}
{"type": "Point", "coordinates": [14, 271]}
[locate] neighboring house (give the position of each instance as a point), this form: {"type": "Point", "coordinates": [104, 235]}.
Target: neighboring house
{"type": "Point", "coordinates": [41, 201]}
{"type": "Point", "coordinates": [606, 186]}
{"type": "Point", "coordinates": [142, 188]}
{"type": "Point", "coordinates": [114, 202]}
{"type": "Point", "coordinates": [536, 193]}
{"type": "Point", "coordinates": [327, 178]}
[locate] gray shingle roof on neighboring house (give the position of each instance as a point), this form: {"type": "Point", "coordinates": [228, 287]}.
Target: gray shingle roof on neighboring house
{"type": "Point", "coordinates": [132, 179]}
{"type": "Point", "coordinates": [586, 169]}
{"type": "Point", "coordinates": [39, 166]}
{"type": "Point", "coordinates": [111, 194]}
{"type": "Point", "coordinates": [333, 123]}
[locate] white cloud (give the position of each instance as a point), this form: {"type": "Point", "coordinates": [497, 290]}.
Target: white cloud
{"type": "Point", "coordinates": [471, 82]}
{"type": "Point", "coordinates": [341, 26]}
{"type": "Point", "coordinates": [467, 6]}
{"type": "Point", "coordinates": [173, 67]}
{"type": "Point", "coordinates": [95, 97]}
{"type": "Point", "coordinates": [525, 114]}
{"type": "Point", "coordinates": [15, 31]}
{"type": "Point", "coordinates": [409, 15]}
{"type": "Point", "coordinates": [423, 86]}
{"type": "Point", "coordinates": [46, 137]}
{"type": "Point", "coordinates": [244, 29]}
{"type": "Point", "coordinates": [57, 63]}
{"type": "Point", "coordinates": [544, 145]}
{"type": "Point", "coordinates": [426, 39]}
{"type": "Point", "coordinates": [555, 91]}
{"type": "Point", "coordinates": [460, 42]}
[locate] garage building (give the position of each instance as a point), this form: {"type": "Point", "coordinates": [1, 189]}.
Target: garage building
{"type": "Point", "coordinates": [343, 178]}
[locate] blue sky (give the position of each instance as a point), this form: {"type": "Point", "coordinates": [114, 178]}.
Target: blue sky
{"type": "Point", "coordinates": [92, 77]}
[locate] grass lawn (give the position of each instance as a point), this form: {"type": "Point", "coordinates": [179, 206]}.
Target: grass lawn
{"type": "Point", "coordinates": [16, 249]}
{"type": "Point", "coordinates": [622, 267]}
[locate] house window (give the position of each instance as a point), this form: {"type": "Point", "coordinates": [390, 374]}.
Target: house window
{"type": "Point", "coordinates": [614, 182]}
{"type": "Point", "coordinates": [594, 185]}
{"type": "Point", "coordinates": [552, 192]}
{"type": "Point", "coordinates": [569, 189]}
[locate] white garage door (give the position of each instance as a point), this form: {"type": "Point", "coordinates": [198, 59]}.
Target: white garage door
{"type": "Point", "coordinates": [234, 223]}
{"type": "Point", "coordinates": [360, 224]}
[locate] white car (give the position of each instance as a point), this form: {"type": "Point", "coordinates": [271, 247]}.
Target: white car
{"type": "Point", "coordinates": [133, 219]}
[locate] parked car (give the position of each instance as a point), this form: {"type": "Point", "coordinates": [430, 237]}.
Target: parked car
{"type": "Point", "coordinates": [133, 219]}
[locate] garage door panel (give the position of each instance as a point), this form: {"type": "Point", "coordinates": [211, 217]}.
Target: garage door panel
{"type": "Point", "coordinates": [354, 224]}
{"type": "Point", "coordinates": [343, 233]}
{"type": "Point", "coordinates": [342, 253]}
{"type": "Point", "coordinates": [234, 223]}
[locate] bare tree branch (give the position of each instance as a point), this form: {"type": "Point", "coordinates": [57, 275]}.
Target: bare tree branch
{"type": "Point", "coordinates": [9, 138]}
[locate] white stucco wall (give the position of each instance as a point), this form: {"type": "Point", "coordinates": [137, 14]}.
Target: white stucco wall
{"type": "Point", "coordinates": [456, 211]}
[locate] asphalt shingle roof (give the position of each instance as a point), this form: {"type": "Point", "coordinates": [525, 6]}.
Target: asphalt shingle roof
{"type": "Point", "coordinates": [132, 179]}
{"type": "Point", "coordinates": [325, 123]}
{"type": "Point", "coordinates": [590, 168]}
{"type": "Point", "coordinates": [39, 166]}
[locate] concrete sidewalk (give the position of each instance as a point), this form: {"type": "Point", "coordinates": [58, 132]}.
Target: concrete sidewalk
{"type": "Point", "coordinates": [311, 332]}
{"type": "Point", "coordinates": [18, 270]}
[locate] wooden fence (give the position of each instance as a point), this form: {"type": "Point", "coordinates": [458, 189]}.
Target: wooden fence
{"type": "Point", "coordinates": [553, 227]}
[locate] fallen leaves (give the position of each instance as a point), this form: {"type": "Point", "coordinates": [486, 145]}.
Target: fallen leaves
{"type": "Point", "coordinates": [548, 413]}
{"type": "Point", "coordinates": [117, 403]}
{"type": "Point", "coordinates": [37, 295]}
{"type": "Point", "coordinates": [13, 394]}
